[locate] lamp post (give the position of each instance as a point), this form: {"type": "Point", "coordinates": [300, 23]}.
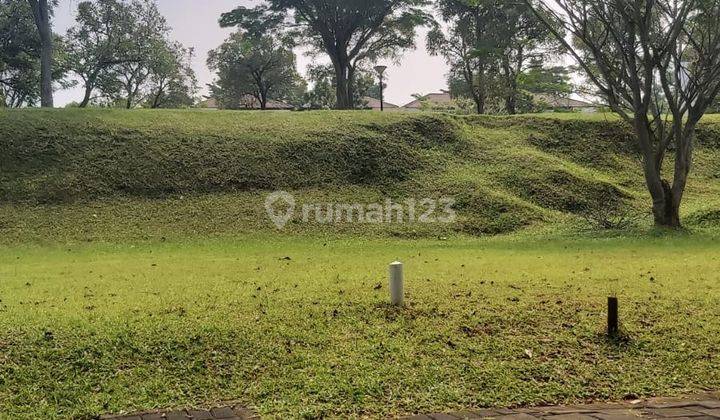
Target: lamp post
{"type": "Point", "coordinates": [380, 71]}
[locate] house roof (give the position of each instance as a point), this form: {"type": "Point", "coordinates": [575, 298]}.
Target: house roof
{"type": "Point", "coordinates": [558, 102]}
{"type": "Point", "coordinates": [435, 99]}
{"type": "Point", "coordinates": [373, 103]}
{"type": "Point", "coordinates": [271, 104]}
{"type": "Point", "coordinates": [250, 102]}
{"type": "Point", "coordinates": [209, 103]}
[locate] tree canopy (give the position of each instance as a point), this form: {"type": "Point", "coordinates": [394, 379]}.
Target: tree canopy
{"type": "Point", "coordinates": [257, 66]}
{"type": "Point", "coordinates": [322, 95]}
{"type": "Point", "coordinates": [20, 55]}
{"type": "Point", "coordinates": [657, 63]}
{"type": "Point", "coordinates": [122, 52]}
{"type": "Point", "coordinates": [352, 33]}
{"type": "Point", "coordinates": [488, 45]}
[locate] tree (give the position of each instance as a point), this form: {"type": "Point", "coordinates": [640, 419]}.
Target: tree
{"type": "Point", "coordinates": [469, 46]}
{"type": "Point", "coordinates": [20, 47]}
{"type": "Point", "coordinates": [323, 94]}
{"type": "Point", "coordinates": [352, 33]}
{"type": "Point", "coordinates": [373, 91]}
{"type": "Point", "coordinates": [260, 66]}
{"type": "Point", "coordinates": [483, 90]}
{"type": "Point", "coordinates": [550, 81]}
{"type": "Point", "coordinates": [100, 40]}
{"type": "Point", "coordinates": [657, 63]}
{"type": "Point", "coordinates": [148, 39]}
{"type": "Point", "coordinates": [41, 12]}
{"type": "Point", "coordinates": [19, 52]}
{"type": "Point", "coordinates": [522, 38]}
{"type": "Point", "coordinates": [172, 82]}
{"type": "Point", "coordinates": [485, 39]}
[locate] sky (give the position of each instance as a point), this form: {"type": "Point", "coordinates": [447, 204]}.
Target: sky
{"type": "Point", "coordinates": [195, 24]}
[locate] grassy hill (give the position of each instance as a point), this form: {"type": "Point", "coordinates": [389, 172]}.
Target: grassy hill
{"type": "Point", "coordinates": [100, 174]}
{"type": "Point", "coordinates": [188, 297]}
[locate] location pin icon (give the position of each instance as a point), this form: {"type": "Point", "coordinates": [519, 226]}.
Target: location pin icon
{"type": "Point", "coordinates": [280, 217]}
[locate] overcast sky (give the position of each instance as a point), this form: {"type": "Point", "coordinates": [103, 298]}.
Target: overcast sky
{"type": "Point", "coordinates": [195, 24]}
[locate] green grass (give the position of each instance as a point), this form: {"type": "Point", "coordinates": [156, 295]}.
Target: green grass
{"type": "Point", "coordinates": [138, 268]}
{"type": "Point", "coordinates": [108, 175]}
{"type": "Point", "coordinates": [195, 323]}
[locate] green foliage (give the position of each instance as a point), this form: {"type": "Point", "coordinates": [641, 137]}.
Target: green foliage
{"type": "Point", "coordinates": [323, 94]}
{"type": "Point", "coordinates": [172, 82]}
{"type": "Point", "coordinates": [654, 64]}
{"type": "Point", "coordinates": [20, 56]}
{"type": "Point", "coordinates": [100, 40]}
{"type": "Point", "coordinates": [353, 33]}
{"type": "Point", "coordinates": [466, 48]}
{"type": "Point", "coordinates": [123, 54]}
{"type": "Point", "coordinates": [252, 70]}
{"type": "Point", "coordinates": [553, 81]}
{"type": "Point", "coordinates": [97, 161]}
{"type": "Point", "coordinates": [488, 45]}
{"type": "Point", "coordinates": [147, 45]}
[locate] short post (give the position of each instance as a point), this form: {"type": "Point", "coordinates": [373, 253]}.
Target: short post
{"type": "Point", "coordinates": [613, 324]}
{"type": "Point", "coordinates": [396, 283]}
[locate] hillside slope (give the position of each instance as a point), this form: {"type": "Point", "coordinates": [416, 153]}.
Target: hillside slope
{"type": "Point", "coordinates": [99, 175]}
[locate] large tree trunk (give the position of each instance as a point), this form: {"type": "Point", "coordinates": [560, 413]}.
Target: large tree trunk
{"type": "Point", "coordinates": [683, 163]}
{"type": "Point", "coordinates": [351, 88]}
{"type": "Point", "coordinates": [129, 100]}
{"type": "Point", "coordinates": [479, 105]}
{"type": "Point", "coordinates": [88, 95]}
{"type": "Point", "coordinates": [342, 90]}
{"type": "Point", "coordinates": [342, 82]}
{"type": "Point", "coordinates": [156, 97]}
{"type": "Point", "coordinates": [41, 13]}
{"type": "Point", "coordinates": [479, 98]}
{"type": "Point", "coordinates": [666, 198]}
{"type": "Point", "coordinates": [666, 204]}
{"type": "Point", "coordinates": [511, 80]}
{"type": "Point", "coordinates": [511, 102]}
{"type": "Point", "coordinates": [667, 211]}
{"type": "Point", "coordinates": [133, 90]}
{"type": "Point", "coordinates": [156, 100]}
{"type": "Point", "coordinates": [478, 92]}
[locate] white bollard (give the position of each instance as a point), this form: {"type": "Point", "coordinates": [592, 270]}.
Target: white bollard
{"type": "Point", "coordinates": [396, 283]}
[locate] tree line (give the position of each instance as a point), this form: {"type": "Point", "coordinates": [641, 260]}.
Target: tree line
{"type": "Point", "coordinates": [655, 63]}
{"type": "Point", "coordinates": [119, 52]}
{"type": "Point", "coordinates": [498, 51]}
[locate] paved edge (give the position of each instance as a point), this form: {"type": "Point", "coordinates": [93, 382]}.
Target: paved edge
{"type": "Point", "coordinates": [697, 407]}
{"type": "Point", "coordinates": [227, 412]}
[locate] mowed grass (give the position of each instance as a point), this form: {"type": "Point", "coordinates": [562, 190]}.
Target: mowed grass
{"type": "Point", "coordinates": [69, 175]}
{"type": "Point", "coordinates": [139, 269]}
{"type": "Point", "coordinates": [299, 326]}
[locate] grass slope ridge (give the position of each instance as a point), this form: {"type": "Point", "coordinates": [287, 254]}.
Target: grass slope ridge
{"type": "Point", "coordinates": [506, 173]}
{"type": "Point", "coordinates": [59, 157]}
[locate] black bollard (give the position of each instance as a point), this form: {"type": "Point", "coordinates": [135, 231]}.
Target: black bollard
{"type": "Point", "coordinates": [613, 325]}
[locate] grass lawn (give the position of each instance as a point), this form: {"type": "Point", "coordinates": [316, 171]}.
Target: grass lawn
{"type": "Point", "coordinates": [298, 326]}
{"type": "Point", "coordinates": [139, 269]}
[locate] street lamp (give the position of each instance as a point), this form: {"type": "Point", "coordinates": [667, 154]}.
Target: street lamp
{"type": "Point", "coordinates": [380, 71]}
